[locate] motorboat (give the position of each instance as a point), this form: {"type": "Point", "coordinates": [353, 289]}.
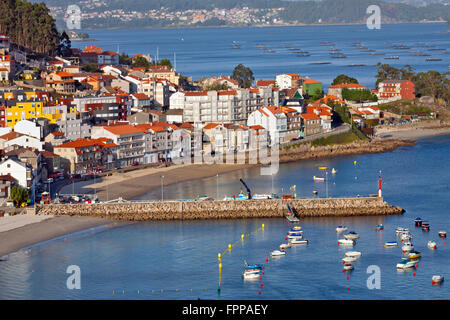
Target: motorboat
{"type": "Point", "coordinates": [406, 264]}
{"type": "Point", "coordinates": [299, 241]}
{"type": "Point", "coordinates": [442, 234]}
{"type": "Point", "coordinates": [437, 279]}
{"type": "Point", "coordinates": [261, 196]}
{"type": "Point", "coordinates": [341, 229]}
{"type": "Point", "coordinates": [414, 255]}
{"type": "Point", "coordinates": [405, 237]}
{"type": "Point", "coordinates": [285, 246]}
{"type": "Point", "coordinates": [425, 226]}
{"type": "Point", "coordinates": [296, 228]}
{"type": "Point", "coordinates": [277, 253]}
{"type": "Point", "coordinates": [351, 235]}
{"type": "Point", "coordinates": [379, 227]}
{"type": "Point", "coordinates": [346, 242]}
{"type": "Point", "coordinates": [355, 254]}
{"type": "Point", "coordinates": [407, 247]}
{"type": "Point", "coordinates": [401, 230]}
{"type": "Point", "coordinates": [390, 244]}
{"type": "Point", "coordinates": [348, 260]}
{"type": "Point", "coordinates": [295, 232]}
{"type": "Point", "coordinates": [318, 178]}
{"type": "Point", "coordinates": [333, 171]}
{"type": "Point", "coordinates": [348, 267]}
{"type": "Point", "coordinates": [296, 237]}
{"type": "Point", "coordinates": [432, 245]}
{"type": "Point", "coordinates": [418, 222]}
{"type": "Point", "coordinates": [251, 275]}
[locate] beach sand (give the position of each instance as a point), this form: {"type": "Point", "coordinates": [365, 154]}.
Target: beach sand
{"type": "Point", "coordinates": [22, 231]}
{"type": "Point", "coordinates": [413, 134]}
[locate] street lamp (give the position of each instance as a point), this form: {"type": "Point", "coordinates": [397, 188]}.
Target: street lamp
{"type": "Point", "coordinates": [162, 188]}
{"type": "Point", "coordinates": [217, 187]}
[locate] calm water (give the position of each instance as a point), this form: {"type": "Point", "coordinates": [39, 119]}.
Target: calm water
{"type": "Point", "coordinates": [180, 258]}
{"type": "Point", "coordinates": [205, 52]}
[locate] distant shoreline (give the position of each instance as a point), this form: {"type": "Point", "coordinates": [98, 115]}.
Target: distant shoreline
{"type": "Point", "coordinates": [253, 26]}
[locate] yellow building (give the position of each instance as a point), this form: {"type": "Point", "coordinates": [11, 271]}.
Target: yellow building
{"type": "Point", "coordinates": [22, 110]}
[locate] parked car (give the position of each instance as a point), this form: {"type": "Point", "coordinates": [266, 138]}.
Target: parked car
{"type": "Point", "coordinates": [135, 163]}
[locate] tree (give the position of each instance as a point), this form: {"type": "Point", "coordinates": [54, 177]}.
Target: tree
{"type": "Point", "coordinates": [217, 87]}
{"type": "Point", "coordinates": [141, 62]}
{"type": "Point", "coordinates": [432, 83]}
{"type": "Point", "coordinates": [125, 59]}
{"type": "Point", "coordinates": [90, 67]}
{"type": "Point", "coordinates": [358, 95]}
{"type": "Point", "coordinates": [65, 45]}
{"type": "Point", "coordinates": [316, 95]}
{"type": "Point", "coordinates": [165, 62]}
{"type": "Point", "coordinates": [342, 78]}
{"type": "Point", "coordinates": [19, 196]}
{"type": "Point", "coordinates": [243, 75]}
{"type": "Point", "coordinates": [387, 72]}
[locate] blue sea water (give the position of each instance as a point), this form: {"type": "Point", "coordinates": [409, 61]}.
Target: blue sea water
{"type": "Point", "coordinates": [205, 52]}
{"type": "Point", "coordinates": [178, 259]}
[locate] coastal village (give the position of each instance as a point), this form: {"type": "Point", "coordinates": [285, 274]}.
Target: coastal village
{"type": "Point", "coordinates": [60, 122]}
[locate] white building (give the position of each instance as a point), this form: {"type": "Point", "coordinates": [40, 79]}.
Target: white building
{"type": "Point", "coordinates": [22, 140]}
{"type": "Point", "coordinates": [288, 80]}
{"type": "Point", "coordinates": [272, 119]}
{"type": "Point", "coordinates": [28, 127]}
{"type": "Point", "coordinates": [20, 171]}
{"type": "Point", "coordinates": [232, 106]}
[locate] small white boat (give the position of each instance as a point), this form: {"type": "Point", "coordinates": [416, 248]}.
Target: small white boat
{"type": "Point", "coordinates": [251, 275]}
{"type": "Point", "coordinates": [405, 264]}
{"type": "Point", "coordinates": [348, 267]}
{"type": "Point", "coordinates": [355, 254]}
{"type": "Point", "coordinates": [261, 196]}
{"type": "Point", "coordinates": [432, 245]}
{"type": "Point", "coordinates": [346, 242]}
{"type": "Point", "coordinates": [276, 253]}
{"type": "Point", "coordinates": [341, 229]}
{"type": "Point", "coordinates": [407, 247]}
{"type": "Point", "coordinates": [414, 255]}
{"type": "Point", "coordinates": [299, 241]}
{"type": "Point", "coordinates": [333, 171]}
{"type": "Point", "coordinates": [405, 237]}
{"type": "Point", "coordinates": [291, 237]}
{"type": "Point", "coordinates": [295, 232]}
{"type": "Point", "coordinates": [401, 230]}
{"type": "Point", "coordinates": [390, 244]}
{"type": "Point", "coordinates": [296, 228]}
{"type": "Point", "coordinates": [437, 279]}
{"type": "Point", "coordinates": [351, 235]}
{"type": "Point", "coordinates": [285, 246]}
{"type": "Point", "coordinates": [349, 260]}
{"type": "Point", "coordinates": [442, 234]}
{"type": "Point", "coordinates": [379, 227]}
{"type": "Point", "coordinates": [318, 178]}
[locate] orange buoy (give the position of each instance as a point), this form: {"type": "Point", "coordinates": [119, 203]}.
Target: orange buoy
{"type": "Point", "coordinates": [348, 288]}
{"type": "Point", "coordinates": [348, 277]}
{"type": "Point", "coordinates": [261, 284]}
{"type": "Point", "coordinates": [414, 274]}
{"type": "Point", "coordinates": [259, 292]}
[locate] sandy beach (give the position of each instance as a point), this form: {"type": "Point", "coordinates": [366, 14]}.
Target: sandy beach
{"type": "Point", "coordinates": [21, 231]}
{"type": "Point", "coordinates": [413, 134]}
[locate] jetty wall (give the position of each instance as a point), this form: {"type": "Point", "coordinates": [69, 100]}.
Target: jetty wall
{"type": "Point", "coordinates": [232, 209]}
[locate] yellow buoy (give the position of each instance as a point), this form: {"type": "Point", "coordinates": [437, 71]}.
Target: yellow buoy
{"type": "Point", "coordinates": [219, 256]}
{"type": "Point", "coordinates": [242, 237]}
{"type": "Point", "coordinates": [263, 225]}
{"type": "Point", "coordinates": [220, 266]}
{"type": "Point", "coordinates": [229, 247]}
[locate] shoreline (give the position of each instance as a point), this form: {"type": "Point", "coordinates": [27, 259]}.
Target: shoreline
{"type": "Point", "coordinates": [132, 185]}
{"type": "Point", "coordinates": [33, 233]}
{"type": "Point", "coordinates": [255, 26]}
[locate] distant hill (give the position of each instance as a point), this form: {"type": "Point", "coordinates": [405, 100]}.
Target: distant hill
{"type": "Point", "coordinates": [106, 14]}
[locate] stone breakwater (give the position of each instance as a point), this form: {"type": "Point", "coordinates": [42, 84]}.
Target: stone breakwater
{"type": "Point", "coordinates": [306, 151]}
{"type": "Point", "coordinates": [234, 209]}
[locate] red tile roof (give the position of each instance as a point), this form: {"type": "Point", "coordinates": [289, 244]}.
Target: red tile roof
{"type": "Point", "coordinates": [309, 116]}
{"type": "Point", "coordinates": [195, 93]}
{"type": "Point", "coordinates": [265, 83]}
{"type": "Point", "coordinates": [347, 85]}
{"type": "Point", "coordinates": [210, 126]}
{"type": "Point", "coordinates": [124, 129]}
{"type": "Point", "coordinates": [11, 135]}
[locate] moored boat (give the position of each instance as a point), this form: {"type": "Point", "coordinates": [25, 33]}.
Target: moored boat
{"type": "Point", "coordinates": [355, 254]}
{"type": "Point", "coordinates": [437, 279]}
{"type": "Point", "coordinates": [251, 275]}
{"type": "Point", "coordinates": [442, 234]}
{"type": "Point", "coordinates": [351, 235]}
{"type": "Point", "coordinates": [418, 222]}
{"type": "Point", "coordinates": [318, 178]}
{"type": "Point", "coordinates": [277, 253]}
{"type": "Point", "coordinates": [414, 255]}
{"type": "Point", "coordinates": [379, 227]}
{"type": "Point", "coordinates": [296, 228]}
{"type": "Point", "coordinates": [432, 245]}
{"type": "Point", "coordinates": [401, 230]}
{"type": "Point", "coordinates": [390, 244]}
{"type": "Point", "coordinates": [299, 241]}
{"type": "Point", "coordinates": [348, 267]}
{"type": "Point", "coordinates": [406, 237]}
{"type": "Point", "coordinates": [425, 226]}
{"type": "Point", "coordinates": [346, 242]}
{"type": "Point", "coordinates": [405, 264]}
{"type": "Point", "coordinates": [348, 260]}
{"type": "Point", "coordinates": [341, 229]}
{"type": "Point", "coordinates": [285, 246]}
{"type": "Point", "coordinates": [407, 247]}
